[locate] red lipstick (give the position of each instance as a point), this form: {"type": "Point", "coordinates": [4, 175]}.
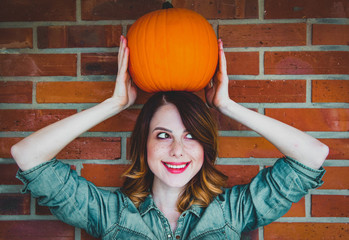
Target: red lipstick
{"type": "Point", "coordinates": [176, 167]}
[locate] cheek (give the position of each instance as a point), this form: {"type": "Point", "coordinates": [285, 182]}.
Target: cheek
{"type": "Point", "coordinates": [155, 150]}
{"type": "Point", "coordinates": [196, 151]}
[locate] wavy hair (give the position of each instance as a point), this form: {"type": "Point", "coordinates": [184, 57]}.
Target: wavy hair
{"type": "Point", "coordinates": [198, 120]}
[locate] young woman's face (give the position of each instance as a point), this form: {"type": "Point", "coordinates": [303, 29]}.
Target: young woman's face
{"type": "Point", "coordinates": [173, 155]}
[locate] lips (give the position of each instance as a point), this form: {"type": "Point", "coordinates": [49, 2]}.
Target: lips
{"type": "Point", "coordinates": [176, 167]}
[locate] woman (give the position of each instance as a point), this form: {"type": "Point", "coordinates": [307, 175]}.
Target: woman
{"type": "Point", "coordinates": [172, 189]}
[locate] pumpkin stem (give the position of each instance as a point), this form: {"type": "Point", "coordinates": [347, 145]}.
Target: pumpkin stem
{"type": "Point", "coordinates": [167, 5]}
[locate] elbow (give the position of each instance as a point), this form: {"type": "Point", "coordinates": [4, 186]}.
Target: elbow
{"type": "Point", "coordinates": [322, 153]}
{"type": "Point", "coordinates": [17, 154]}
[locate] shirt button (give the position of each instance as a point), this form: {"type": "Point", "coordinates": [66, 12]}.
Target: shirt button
{"type": "Point", "coordinates": [169, 236]}
{"type": "Point", "coordinates": [178, 237]}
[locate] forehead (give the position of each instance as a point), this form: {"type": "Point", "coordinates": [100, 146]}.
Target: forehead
{"type": "Point", "coordinates": [167, 116]}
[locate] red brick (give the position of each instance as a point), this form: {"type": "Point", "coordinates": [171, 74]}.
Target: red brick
{"type": "Point", "coordinates": [37, 65]}
{"type": "Point", "coordinates": [142, 96]}
{"type": "Point", "coordinates": [92, 148]}
{"type": "Point", "coordinates": [5, 146]}
{"type": "Point", "coordinates": [263, 35]}
{"type": "Point", "coordinates": [117, 10]}
{"type": "Point", "coordinates": [226, 124]}
{"type": "Point", "coordinates": [312, 119]}
{"type": "Point", "coordinates": [16, 37]}
{"type": "Point", "coordinates": [218, 9]}
{"type": "Point", "coordinates": [242, 63]}
{"type": "Point", "coordinates": [269, 91]}
{"type": "Point", "coordinates": [305, 231]}
{"type": "Point", "coordinates": [104, 175]}
{"type": "Point", "coordinates": [338, 148]}
{"type": "Point", "coordinates": [37, 10]}
{"type": "Point", "coordinates": [42, 210]}
{"type": "Point", "coordinates": [330, 34]}
{"type": "Point", "coordinates": [245, 147]}
{"type": "Point", "coordinates": [36, 230]}
{"type": "Point", "coordinates": [330, 62]}
{"type": "Point", "coordinates": [16, 92]}
{"type": "Point", "coordinates": [85, 236]}
{"type": "Point", "coordinates": [283, 9]}
{"type": "Point", "coordinates": [329, 206]}
{"type": "Point", "coordinates": [73, 92]}
{"type": "Point", "coordinates": [297, 209]}
{"type": "Point", "coordinates": [122, 122]}
{"type": "Point", "coordinates": [99, 63]}
{"type": "Point", "coordinates": [14, 204]}
{"type": "Point", "coordinates": [336, 178]}
{"type": "Point", "coordinates": [252, 235]}
{"type": "Point", "coordinates": [29, 119]}
{"type": "Point", "coordinates": [8, 175]}
{"type": "Point", "coordinates": [330, 91]}
{"type": "Point", "coordinates": [79, 36]}
{"type": "Point", "coordinates": [238, 174]}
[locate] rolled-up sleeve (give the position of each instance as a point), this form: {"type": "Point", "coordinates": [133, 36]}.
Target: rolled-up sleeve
{"type": "Point", "coordinates": [70, 197]}
{"type": "Point", "coordinates": [271, 193]}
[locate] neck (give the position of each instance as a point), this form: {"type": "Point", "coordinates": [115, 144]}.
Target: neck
{"type": "Point", "coordinates": [165, 198]}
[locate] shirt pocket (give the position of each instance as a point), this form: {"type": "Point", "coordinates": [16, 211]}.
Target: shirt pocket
{"type": "Point", "coordinates": [125, 233]}
{"type": "Point", "coordinates": [223, 233]}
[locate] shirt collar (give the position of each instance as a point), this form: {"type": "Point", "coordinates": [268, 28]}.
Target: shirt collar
{"type": "Point", "coordinates": [145, 206]}
{"type": "Point", "coordinates": [149, 204]}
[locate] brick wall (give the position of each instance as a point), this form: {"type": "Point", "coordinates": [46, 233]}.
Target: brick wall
{"type": "Point", "coordinates": [286, 59]}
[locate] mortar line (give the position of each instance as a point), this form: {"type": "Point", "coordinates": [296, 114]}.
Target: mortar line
{"type": "Point", "coordinates": [261, 10]}
{"type": "Point", "coordinates": [78, 11]}
{"type": "Point", "coordinates": [78, 66]}
{"type": "Point", "coordinates": [307, 205]}
{"type": "Point", "coordinates": [339, 21]}
{"type": "Point", "coordinates": [35, 38]}
{"type": "Point", "coordinates": [34, 102]}
{"type": "Point", "coordinates": [261, 63]}
{"type": "Point", "coordinates": [77, 233]}
{"type": "Point", "coordinates": [261, 233]}
{"type": "Point", "coordinates": [32, 206]}
{"type": "Point", "coordinates": [123, 148]}
{"type": "Point", "coordinates": [305, 48]}
{"type": "Point", "coordinates": [309, 33]}
{"type": "Point", "coordinates": [308, 91]}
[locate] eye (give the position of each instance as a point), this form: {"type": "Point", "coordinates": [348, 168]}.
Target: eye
{"type": "Point", "coordinates": [163, 135]}
{"type": "Point", "coordinates": [189, 136]}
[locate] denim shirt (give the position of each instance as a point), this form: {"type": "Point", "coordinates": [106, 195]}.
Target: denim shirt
{"type": "Point", "coordinates": [102, 213]}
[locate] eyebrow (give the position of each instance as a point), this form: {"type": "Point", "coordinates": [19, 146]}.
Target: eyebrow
{"type": "Point", "coordinates": [162, 129]}
{"type": "Point", "coordinates": [165, 129]}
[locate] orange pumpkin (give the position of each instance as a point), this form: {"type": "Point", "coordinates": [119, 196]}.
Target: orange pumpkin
{"type": "Point", "coordinates": [172, 49]}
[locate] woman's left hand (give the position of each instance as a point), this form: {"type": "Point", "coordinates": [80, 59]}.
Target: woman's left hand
{"type": "Point", "coordinates": [217, 95]}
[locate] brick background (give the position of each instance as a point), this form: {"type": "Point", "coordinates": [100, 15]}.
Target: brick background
{"type": "Point", "coordinates": [286, 59]}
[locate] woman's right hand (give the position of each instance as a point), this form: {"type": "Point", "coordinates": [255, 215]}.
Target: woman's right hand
{"type": "Point", "coordinates": [125, 92]}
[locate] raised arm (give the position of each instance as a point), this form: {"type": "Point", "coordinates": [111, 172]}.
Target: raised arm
{"type": "Point", "coordinates": [289, 140]}
{"type": "Point", "coordinates": [46, 143]}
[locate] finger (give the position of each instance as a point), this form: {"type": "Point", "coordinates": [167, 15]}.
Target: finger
{"type": "Point", "coordinates": [121, 49]}
{"type": "Point", "coordinates": [124, 60]}
{"type": "Point", "coordinates": [222, 59]}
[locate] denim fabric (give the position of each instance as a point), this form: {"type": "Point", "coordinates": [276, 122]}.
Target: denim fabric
{"type": "Point", "coordinates": [102, 213]}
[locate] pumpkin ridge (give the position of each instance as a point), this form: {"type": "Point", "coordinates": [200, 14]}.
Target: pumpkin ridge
{"type": "Point", "coordinates": [146, 49]}
{"type": "Point", "coordinates": [140, 84]}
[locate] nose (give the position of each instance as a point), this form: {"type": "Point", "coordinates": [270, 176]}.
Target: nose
{"type": "Point", "coordinates": [176, 149]}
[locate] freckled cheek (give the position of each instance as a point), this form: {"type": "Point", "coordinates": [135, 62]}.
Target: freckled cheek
{"type": "Point", "coordinates": [155, 151]}
{"type": "Point", "coordinates": [195, 152]}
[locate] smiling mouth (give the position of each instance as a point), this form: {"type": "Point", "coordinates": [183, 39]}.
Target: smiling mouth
{"type": "Point", "coordinates": [176, 168]}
